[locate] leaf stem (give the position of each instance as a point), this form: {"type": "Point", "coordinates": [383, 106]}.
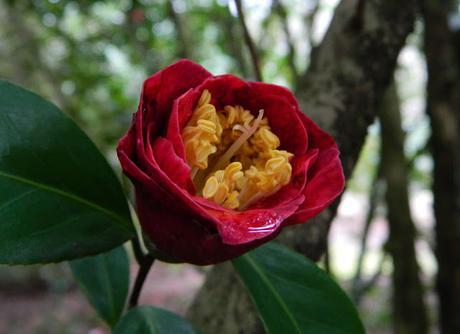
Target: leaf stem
{"type": "Point", "coordinates": [145, 264]}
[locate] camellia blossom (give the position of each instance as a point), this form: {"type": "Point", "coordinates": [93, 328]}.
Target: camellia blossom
{"type": "Point", "coordinates": [221, 165]}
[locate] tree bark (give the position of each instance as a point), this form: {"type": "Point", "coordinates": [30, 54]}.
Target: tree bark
{"type": "Point", "coordinates": [409, 312]}
{"type": "Point", "coordinates": [442, 49]}
{"type": "Point", "coordinates": [348, 74]}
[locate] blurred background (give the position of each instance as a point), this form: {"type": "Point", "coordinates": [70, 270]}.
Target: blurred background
{"type": "Point", "coordinates": [91, 57]}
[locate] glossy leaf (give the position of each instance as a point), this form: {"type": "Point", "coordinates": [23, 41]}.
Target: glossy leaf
{"type": "Point", "coordinates": [104, 279]}
{"type": "Point", "coordinates": [59, 198]}
{"type": "Point", "coordinates": [152, 320]}
{"type": "Point", "coordinates": [293, 295]}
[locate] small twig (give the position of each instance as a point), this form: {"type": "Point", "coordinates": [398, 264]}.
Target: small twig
{"type": "Point", "coordinates": [365, 285]}
{"type": "Point", "coordinates": [145, 264]}
{"type": "Point", "coordinates": [374, 199]}
{"type": "Point", "coordinates": [417, 154]}
{"type": "Point", "coordinates": [374, 279]}
{"type": "Point", "coordinates": [249, 42]}
{"type": "Point", "coordinates": [281, 11]}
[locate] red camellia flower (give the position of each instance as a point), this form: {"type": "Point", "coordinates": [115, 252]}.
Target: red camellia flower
{"type": "Point", "coordinates": [221, 165]}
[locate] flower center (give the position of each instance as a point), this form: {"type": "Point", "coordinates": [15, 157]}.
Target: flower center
{"type": "Point", "coordinates": [234, 156]}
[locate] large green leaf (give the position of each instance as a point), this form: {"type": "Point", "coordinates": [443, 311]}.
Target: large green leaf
{"type": "Point", "coordinates": [104, 279]}
{"type": "Point", "coordinates": [59, 198]}
{"type": "Point", "coordinates": [293, 295]}
{"type": "Point", "coordinates": [152, 320]}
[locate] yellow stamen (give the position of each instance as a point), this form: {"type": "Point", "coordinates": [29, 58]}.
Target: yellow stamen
{"type": "Point", "coordinates": [224, 159]}
{"type": "Point", "coordinates": [210, 187]}
{"type": "Point", "coordinates": [233, 155]}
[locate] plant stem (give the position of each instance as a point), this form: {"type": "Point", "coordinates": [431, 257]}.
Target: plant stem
{"type": "Point", "coordinates": [145, 263]}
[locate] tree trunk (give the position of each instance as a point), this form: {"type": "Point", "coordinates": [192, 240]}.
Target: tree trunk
{"type": "Point", "coordinates": [349, 72]}
{"type": "Point", "coordinates": [443, 107]}
{"type": "Point", "coordinates": [409, 312]}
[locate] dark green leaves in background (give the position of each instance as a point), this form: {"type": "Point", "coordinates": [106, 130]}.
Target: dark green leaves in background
{"type": "Point", "coordinates": [59, 198]}
{"type": "Point", "coordinates": [153, 320]}
{"type": "Point", "coordinates": [104, 279]}
{"type": "Point", "coordinates": [293, 295]}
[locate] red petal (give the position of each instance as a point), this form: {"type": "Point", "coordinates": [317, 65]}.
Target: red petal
{"type": "Point", "coordinates": [175, 167]}
{"type": "Point", "coordinates": [284, 120]}
{"type": "Point", "coordinates": [260, 88]}
{"type": "Point", "coordinates": [161, 89]}
{"type": "Point", "coordinates": [142, 167]}
{"type": "Point", "coordinates": [237, 228]}
{"type": "Point", "coordinates": [182, 236]}
{"type": "Point", "coordinates": [225, 90]}
{"type": "Point", "coordinates": [326, 183]}
{"type": "Point", "coordinates": [182, 110]}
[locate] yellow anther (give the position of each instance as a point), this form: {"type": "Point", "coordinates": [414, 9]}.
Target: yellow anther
{"type": "Point", "coordinates": [205, 98]}
{"type": "Point", "coordinates": [269, 138]}
{"type": "Point", "coordinates": [241, 182]}
{"type": "Point", "coordinates": [237, 176]}
{"type": "Point", "coordinates": [221, 193]}
{"type": "Point", "coordinates": [232, 114]}
{"type": "Point", "coordinates": [210, 188]}
{"type": "Point", "coordinates": [219, 175]}
{"type": "Point", "coordinates": [207, 126]}
{"type": "Point", "coordinates": [232, 169]}
{"type": "Point", "coordinates": [245, 116]}
{"type": "Point", "coordinates": [201, 134]}
{"type": "Point", "coordinates": [232, 201]}
{"type": "Point", "coordinates": [203, 112]}
{"type": "Point", "coordinates": [274, 164]}
{"type": "Point", "coordinates": [280, 153]}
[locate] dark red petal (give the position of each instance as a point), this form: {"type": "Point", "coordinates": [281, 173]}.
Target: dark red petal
{"type": "Point", "coordinates": [326, 182]}
{"type": "Point", "coordinates": [173, 166]}
{"type": "Point", "coordinates": [260, 88]}
{"type": "Point", "coordinates": [161, 89]}
{"type": "Point", "coordinates": [180, 234]}
{"type": "Point", "coordinates": [284, 120]}
{"type": "Point", "coordinates": [145, 161]}
{"type": "Point", "coordinates": [225, 90]}
{"type": "Point", "coordinates": [182, 110]}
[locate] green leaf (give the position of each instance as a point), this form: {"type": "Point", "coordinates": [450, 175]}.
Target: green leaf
{"type": "Point", "coordinates": [59, 198]}
{"type": "Point", "coordinates": [293, 295]}
{"type": "Point", "coordinates": [152, 320]}
{"type": "Point", "coordinates": [104, 279]}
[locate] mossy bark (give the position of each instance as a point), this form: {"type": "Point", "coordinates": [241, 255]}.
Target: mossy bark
{"type": "Point", "coordinates": [349, 72]}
